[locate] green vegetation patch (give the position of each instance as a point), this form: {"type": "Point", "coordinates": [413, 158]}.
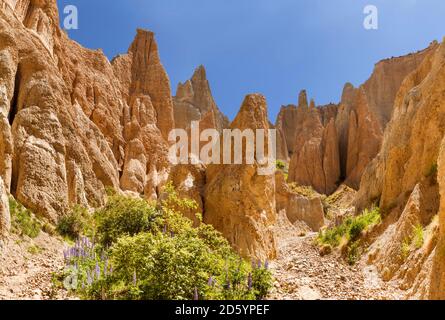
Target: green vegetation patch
{"type": "Point", "coordinates": [23, 221]}
{"type": "Point", "coordinates": [349, 232]}
{"type": "Point", "coordinates": [144, 251]}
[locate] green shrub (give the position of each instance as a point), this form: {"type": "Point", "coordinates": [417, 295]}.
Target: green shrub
{"type": "Point", "coordinates": [406, 249]}
{"type": "Point", "coordinates": [280, 165]}
{"type": "Point", "coordinates": [351, 228]}
{"type": "Point", "coordinates": [125, 216]}
{"type": "Point", "coordinates": [74, 223]}
{"type": "Point", "coordinates": [354, 252]}
{"type": "Point", "coordinates": [161, 256]}
{"type": "Point", "coordinates": [414, 241]}
{"type": "Point", "coordinates": [23, 221]}
{"type": "Point", "coordinates": [349, 232]}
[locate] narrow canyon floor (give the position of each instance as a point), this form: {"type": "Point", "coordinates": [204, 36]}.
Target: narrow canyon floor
{"type": "Point", "coordinates": [302, 274]}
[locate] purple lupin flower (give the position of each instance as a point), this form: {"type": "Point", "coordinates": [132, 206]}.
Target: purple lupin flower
{"type": "Point", "coordinates": [134, 278]}
{"type": "Point", "coordinates": [196, 295]}
{"type": "Point", "coordinates": [249, 282]}
{"type": "Point", "coordinates": [266, 265]}
{"type": "Point", "coordinates": [210, 282]}
{"type": "Point", "coordinates": [97, 271]}
{"type": "Point", "coordinates": [259, 264]}
{"type": "Point", "coordinates": [164, 230]}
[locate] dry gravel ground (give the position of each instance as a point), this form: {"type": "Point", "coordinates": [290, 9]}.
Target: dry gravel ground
{"type": "Point", "coordinates": [27, 267]}
{"type": "Point", "coordinates": [302, 274]}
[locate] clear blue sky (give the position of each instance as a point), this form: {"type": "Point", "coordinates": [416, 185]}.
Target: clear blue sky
{"type": "Point", "coordinates": [274, 47]}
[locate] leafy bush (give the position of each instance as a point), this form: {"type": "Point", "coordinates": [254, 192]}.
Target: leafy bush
{"type": "Point", "coordinates": [23, 220]}
{"type": "Point", "coordinates": [160, 255]}
{"type": "Point", "coordinates": [351, 228]}
{"type": "Point", "coordinates": [414, 241]}
{"type": "Point", "coordinates": [280, 165]}
{"type": "Point", "coordinates": [125, 216]}
{"type": "Point", "coordinates": [74, 223]}
{"type": "Point", "coordinates": [354, 252]}
{"type": "Point", "coordinates": [349, 233]}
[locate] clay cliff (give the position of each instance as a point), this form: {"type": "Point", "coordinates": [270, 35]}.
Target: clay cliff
{"type": "Point", "coordinates": [315, 160]}
{"type": "Point", "coordinates": [406, 181]}
{"type": "Point", "coordinates": [359, 121]}
{"type": "Point", "coordinates": [72, 123]}
{"type": "Point", "coordinates": [238, 201]}
{"type": "Point", "coordinates": [194, 102]}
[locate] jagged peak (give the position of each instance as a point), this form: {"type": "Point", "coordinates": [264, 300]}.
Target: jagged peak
{"type": "Point", "coordinates": [312, 104]}
{"type": "Point", "coordinates": [302, 99]}
{"type": "Point", "coordinates": [144, 46]}
{"type": "Point", "coordinates": [199, 74]}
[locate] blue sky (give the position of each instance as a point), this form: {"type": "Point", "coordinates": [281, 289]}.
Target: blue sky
{"type": "Point", "coordinates": [274, 47]}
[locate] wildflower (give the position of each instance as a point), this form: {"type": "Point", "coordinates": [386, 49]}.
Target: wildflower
{"type": "Point", "coordinates": [134, 278]}
{"type": "Point", "coordinates": [266, 265]}
{"type": "Point", "coordinates": [249, 281]}
{"type": "Point", "coordinates": [97, 270]}
{"type": "Point", "coordinates": [196, 295]}
{"type": "Point", "coordinates": [210, 282]}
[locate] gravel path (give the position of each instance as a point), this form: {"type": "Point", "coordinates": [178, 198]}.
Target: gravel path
{"type": "Point", "coordinates": [27, 267]}
{"type": "Point", "coordinates": [302, 274]}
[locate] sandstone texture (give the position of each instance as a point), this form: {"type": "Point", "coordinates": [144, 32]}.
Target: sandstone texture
{"type": "Point", "coordinates": [315, 161]}
{"type": "Point", "coordinates": [194, 102]}
{"type": "Point", "coordinates": [298, 208]}
{"type": "Point", "coordinates": [71, 122]}
{"type": "Point", "coordinates": [239, 202]}
{"type": "Point", "coordinates": [404, 179]}
{"type": "Point", "coordinates": [359, 121]}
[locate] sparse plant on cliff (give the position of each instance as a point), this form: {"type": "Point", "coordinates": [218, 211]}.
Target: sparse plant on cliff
{"type": "Point", "coordinates": [160, 255]}
{"type": "Point", "coordinates": [414, 241]}
{"type": "Point", "coordinates": [23, 220]}
{"type": "Point", "coordinates": [418, 236]}
{"type": "Point", "coordinates": [306, 191]}
{"type": "Point", "coordinates": [433, 170]}
{"type": "Point", "coordinates": [349, 232]}
{"type": "Point", "coordinates": [280, 165]}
